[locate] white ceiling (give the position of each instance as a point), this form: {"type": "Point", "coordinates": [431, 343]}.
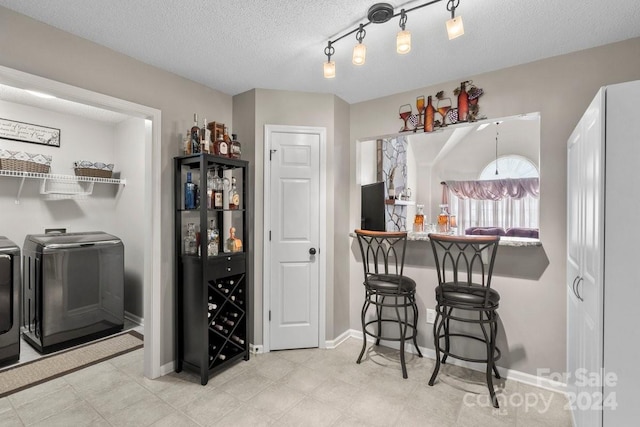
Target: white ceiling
{"type": "Point", "coordinates": [237, 45]}
{"type": "Point", "coordinates": [21, 96]}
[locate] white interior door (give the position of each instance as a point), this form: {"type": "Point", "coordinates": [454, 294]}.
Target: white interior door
{"type": "Point", "coordinates": [294, 231]}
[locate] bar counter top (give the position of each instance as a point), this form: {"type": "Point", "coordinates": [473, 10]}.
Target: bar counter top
{"type": "Point", "coordinates": [504, 240]}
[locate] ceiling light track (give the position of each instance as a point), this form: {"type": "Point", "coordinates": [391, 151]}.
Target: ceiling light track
{"type": "Point", "coordinates": [380, 13]}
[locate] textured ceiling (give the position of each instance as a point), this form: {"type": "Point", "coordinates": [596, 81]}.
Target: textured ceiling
{"type": "Point", "coordinates": [236, 45]}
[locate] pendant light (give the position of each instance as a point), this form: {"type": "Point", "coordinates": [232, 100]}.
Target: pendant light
{"type": "Point", "coordinates": [455, 28]}
{"type": "Point", "coordinates": [329, 66]}
{"type": "Point", "coordinates": [360, 50]}
{"type": "Point", "coordinates": [403, 39]}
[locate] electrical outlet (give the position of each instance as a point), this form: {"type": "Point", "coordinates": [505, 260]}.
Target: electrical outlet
{"type": "Point", "coordinates": [431, 316]}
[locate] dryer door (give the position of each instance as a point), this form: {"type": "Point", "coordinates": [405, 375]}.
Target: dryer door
{"type": "Point", "coordinates": [6, 294]}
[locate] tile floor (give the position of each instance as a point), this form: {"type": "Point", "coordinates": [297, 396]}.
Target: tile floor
{"type": "Point", "coordinates": [311, 387]}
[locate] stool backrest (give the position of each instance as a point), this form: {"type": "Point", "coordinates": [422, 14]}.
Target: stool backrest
{"type": "Point", "coordinates": [382, 251]}
{"type": "Point", "coordinates": [464, 260]}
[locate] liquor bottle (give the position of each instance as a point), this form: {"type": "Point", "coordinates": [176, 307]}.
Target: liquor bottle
{"type": "Point", "coordinates": [234, 149]}
{"type": "Point", "coordinates": [210, 183]}
{"type": "Point", "coordinates": [221, 147]}
{"type": "Point", "coordinates": [213, 245]}
{"type": "Point", "coordinates": [218, 188]}
{"type": "Point", "coordinates": [189, 193]}
{"type": "Point", "coordinates": [186, 144]}
{"type": "Point", "coordinates": [463, 103]}
{"type": "Point", "coordinates": [418, 222]}
{"type": "Point", "coordinates": [226, 137]}
{"type": "Point", "coordinates": [195, 135]}
{"type": "Point", "coordinates": [190, 241]}
{"type": "Point", "coordinates": [204, 141]}
{"type": "Point", "coordinates": [443, 219]}
{"type": "Point", "coordinates": [234, 196]}
{"type": "Point", "coordinates": [429, 114]}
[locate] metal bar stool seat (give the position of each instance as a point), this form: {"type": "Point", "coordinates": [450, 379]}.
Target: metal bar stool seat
{"type": "Point", "coordinates": [468, 298]}
{"type": "Point", "coordinates": [388, 291]}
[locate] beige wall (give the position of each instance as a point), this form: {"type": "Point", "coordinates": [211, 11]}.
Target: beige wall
{"type": "Point", "coordinates": [32, 47]}
{"type": "Point", "coordinates": [275, 107]}
{"type": "Point", "coordinates": [532, 308]}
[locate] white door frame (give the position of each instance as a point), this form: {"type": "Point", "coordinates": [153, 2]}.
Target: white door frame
{"type": "Point", "coordinates": [152, 209]}
{"type": "Point", "coordinates": [322, 246]}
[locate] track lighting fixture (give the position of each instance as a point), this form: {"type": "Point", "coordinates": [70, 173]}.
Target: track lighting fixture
{"type": "Point", "coordinates": [380, 13]}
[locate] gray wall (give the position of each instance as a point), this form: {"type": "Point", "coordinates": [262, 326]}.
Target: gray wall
{"type": "Point", "coordinates": [531, 281]}
{"type": "Point", "coordinates": [32, 47]}
{"type": "Point", "coordinates": [533, 309]}
{"type": "Point", "coordinates": [261, 107]}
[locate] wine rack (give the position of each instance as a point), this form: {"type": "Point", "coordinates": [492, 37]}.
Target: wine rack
{"type": "Point", "coordinates": [212, 291]}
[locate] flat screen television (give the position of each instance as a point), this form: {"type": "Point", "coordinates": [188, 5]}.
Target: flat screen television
{"type": "Point", "coordinates": [372, 207]}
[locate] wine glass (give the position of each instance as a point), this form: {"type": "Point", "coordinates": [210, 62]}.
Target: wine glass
{"type": "Point", "coordinates": [420, 107]}
{"type": "Point", "coordinates": [443, 106]}
{"type": "Point", "coordinates": [405, 112]}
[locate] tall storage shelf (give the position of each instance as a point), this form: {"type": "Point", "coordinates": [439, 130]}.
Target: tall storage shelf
{"type": "Point", "coordinates": [212, 298]}
{"type": "Point", "coordinates": [602, 281]}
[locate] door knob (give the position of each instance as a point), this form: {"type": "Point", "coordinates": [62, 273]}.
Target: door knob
{"type": "Point", "coordinates": [312, 251]}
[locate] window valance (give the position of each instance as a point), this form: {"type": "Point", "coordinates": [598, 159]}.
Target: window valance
{"type": "Point", "coordinates": [497, 189]}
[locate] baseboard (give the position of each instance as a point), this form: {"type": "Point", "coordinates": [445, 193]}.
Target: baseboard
{"type": "Point", "coordinates": [167, 368]}
{"type": "Point", "coordinates": [510, 374]}
{"type": "Point", "coordinates": [256, 348]}
{"type": "Point", "coordinates": [338, 340]}
{"type": "Point", "coordinates": [133, 318]}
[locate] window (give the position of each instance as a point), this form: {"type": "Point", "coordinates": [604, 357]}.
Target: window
{"type": "Point", "coordinates": [520, 210]}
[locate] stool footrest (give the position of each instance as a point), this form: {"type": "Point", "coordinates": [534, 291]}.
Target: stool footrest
{"type": "Point", "coordinates": [408, 335]}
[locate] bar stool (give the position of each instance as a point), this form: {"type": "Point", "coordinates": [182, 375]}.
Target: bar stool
{"type": "Point", "coordinates": [465, 266]}
{"type": "Point", "coordinates": [386, 287]}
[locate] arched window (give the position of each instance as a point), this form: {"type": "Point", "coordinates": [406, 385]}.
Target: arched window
{"type": "Point", "coordinates": [511, 166]}
{"type": "Point", "coordinates": [506, 213]}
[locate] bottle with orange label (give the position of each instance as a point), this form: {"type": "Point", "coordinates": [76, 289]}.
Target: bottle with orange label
{"type": "Point", "coordinates": [418, 222]}
{"type": "Point", "coordinates": [443, 219]}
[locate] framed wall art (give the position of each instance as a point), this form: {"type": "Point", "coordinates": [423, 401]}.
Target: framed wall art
{"type": "Point", "coordinates": [29, 132]}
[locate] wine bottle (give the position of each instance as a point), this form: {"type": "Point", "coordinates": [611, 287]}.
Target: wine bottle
{"type": "Point", "coordinates": [226, 320]}
{"type": "Point", "coordinates": [233, 314]}
{"type": "Point", "coordinates": [237, 339]}
{"type": "Point", "coordinates": [429, 114]}
{"type": "Point", "coordinates": [220, 328]}
{"type": "Point", "coordinates": [212, 306]}
{"type": "Point", "coordinates": [463, 103]}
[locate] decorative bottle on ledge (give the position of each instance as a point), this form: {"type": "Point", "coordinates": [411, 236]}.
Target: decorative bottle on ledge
{"type": "Point", "coordinates": [429, 116]}
{"type": "Point", "coordinates": [463, 103]}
